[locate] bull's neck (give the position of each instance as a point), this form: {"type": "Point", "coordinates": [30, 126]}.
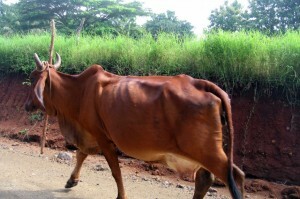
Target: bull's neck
{"type": "Point", "coordinates": [62, 94]}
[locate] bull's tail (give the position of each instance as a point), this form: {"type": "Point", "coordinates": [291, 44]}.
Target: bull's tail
{"type": "Point", "coordinates": [235, 193]}
{"type": "Point", "coordinates": [212, 88]}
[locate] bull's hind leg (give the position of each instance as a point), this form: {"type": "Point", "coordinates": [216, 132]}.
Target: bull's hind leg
{"type": "Point", "coordinates": [239, 177]}
{"type": "Point", "coordinates": [215, 161]}
{"type": "Point", "coordinates": [73, 181]}
{"type": "Point", "coordinates": [219, 166]}
{"type": "Point", "coordinates": [203, 181]}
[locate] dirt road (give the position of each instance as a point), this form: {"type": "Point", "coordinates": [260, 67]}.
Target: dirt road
{"type": "Point", "coordinates": [26, 174]}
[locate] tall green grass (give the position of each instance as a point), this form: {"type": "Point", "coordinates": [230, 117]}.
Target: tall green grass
{"type": "Point", "coordinates": [237, 61]}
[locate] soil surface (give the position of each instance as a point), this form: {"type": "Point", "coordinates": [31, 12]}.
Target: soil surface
{"type": "Point", "coordinates": [266, 137]}
{"type": "Point", "coordinates": [27, 174]}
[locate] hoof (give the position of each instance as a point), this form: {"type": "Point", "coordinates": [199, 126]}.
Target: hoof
{"type": "Point", "coordinates": [71, 183]}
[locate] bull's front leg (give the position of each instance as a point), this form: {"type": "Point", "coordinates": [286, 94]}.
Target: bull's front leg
{"type": "Point", "coordinates": [110, 154]}
{"type": "Point", "coordinates": [73, 181]}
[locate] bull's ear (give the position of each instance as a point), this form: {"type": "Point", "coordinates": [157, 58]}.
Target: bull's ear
{"type": "Point", "coordinates": [39, 90]}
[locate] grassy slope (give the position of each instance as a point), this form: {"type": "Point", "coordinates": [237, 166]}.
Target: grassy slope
{"type": "Point", "coordinates": [233, 60]}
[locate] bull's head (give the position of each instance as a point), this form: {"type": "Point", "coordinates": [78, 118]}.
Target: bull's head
{"type": "Point", "coordinates": [38, 79]}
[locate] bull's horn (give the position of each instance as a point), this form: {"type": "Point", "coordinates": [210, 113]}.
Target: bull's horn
{"type": "Point", "coordinates": [58, 62]}
{"type": "Point", "coordinates": [39, 64]}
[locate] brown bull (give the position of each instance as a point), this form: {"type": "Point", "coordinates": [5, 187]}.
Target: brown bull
{"type": "Point", "coordinates": [175, 120]}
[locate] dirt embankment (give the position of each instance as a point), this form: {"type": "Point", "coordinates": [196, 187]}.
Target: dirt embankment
{"type": "Point", "coordinates": [267, 139]}
{"type": "Point", "coordinates": [266, 132]}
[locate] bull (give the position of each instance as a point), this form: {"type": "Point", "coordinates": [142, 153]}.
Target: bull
{"type": "Point", "coordinates": [174, 120]}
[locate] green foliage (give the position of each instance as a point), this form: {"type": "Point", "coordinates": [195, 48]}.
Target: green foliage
{"type": "Point", "coordinates": [36, 116]}
{"type": "Point", "coordinates": [289, 14]}
{"type": "Point", "coordinates": [23, 131]}
{"type": "Point", "coordinates": [243, 58]}
{"type": "Point", "coordinates": [8, 19]}
{"type": "Point", "coordinates": [101, 16]}
{"type": "Point", "coordinates": [237, 61]}
{"type": "Point", "coordinates": [16, 52]}
{"type": "Point", "coordinates": [168, 23]}
{"type": "Point", "coordinates": [264, 14]}
{"type": "Point", "coordinates": [227, 17]}
{"type": "Point", "coordinates": [36, 14]}
{"type": "Point", "coordinates": [268, 16]}
{"type": "Point", "coordinates": [2, 10]}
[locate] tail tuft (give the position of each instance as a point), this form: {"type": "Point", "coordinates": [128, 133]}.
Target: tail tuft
{"type": "Point", "coordinates": [232, 186]}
